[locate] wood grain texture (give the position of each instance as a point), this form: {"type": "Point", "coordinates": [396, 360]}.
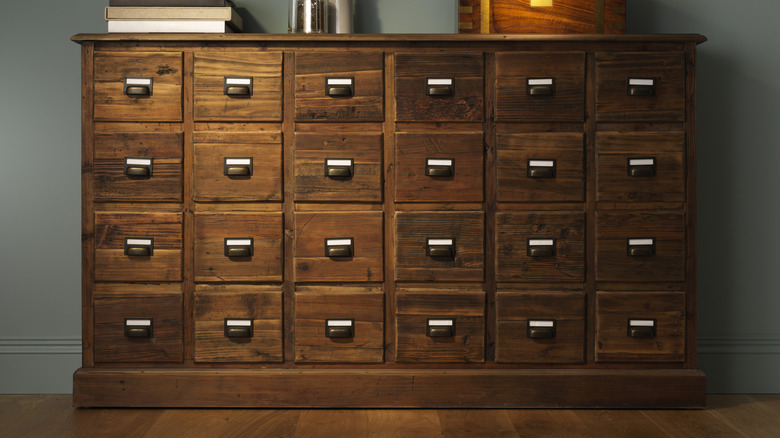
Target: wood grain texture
{"type": "Point", "coordinates": [514, 103]}
{"type": "Point", "coordinates": [164, 104]}
{"type": "Point", "coordinates": [215, 303]}
{"type": "Point", "coordinates": [514, 229]}
{"type": "Point", "coordinates": [514, 150]}
{"type": "Point", "coordinates": [166, 152]}
{"type": "Point", "coordinates": [515, 309]}
{"type": "Point", "coordinates": [364, 67]}
{"type": "Point", "coordinates": [211, 230]}
{"type": "Point", "coordinates": [210, 100]}
{"type": "Point", "coordinates": [613, 70]}
{"type": "Point", "coordinates": [209, 180]}
{"type": "Point", "coordinates": [412, 102]}
{"type": "Point", "coordinates": [465, 149]}
{"type": "Point", "coordinates": [614, 309]}
{"type": "Point", "coordinates": [313, 150]}
{"type": "Point", "coordinates": [315, 305]}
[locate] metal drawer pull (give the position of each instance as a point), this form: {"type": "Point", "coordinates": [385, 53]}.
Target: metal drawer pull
{"type": "Point", "coordinates": [342, 247]}
{"type": "Point", "coordinates": [239, 247]}
{"type": "Point", "coordinates": [138, 327]}
{"type": "Point", "coordinates": [138, 86]}
{"type": "Point", "coordinates": [439, 167]}
{"type": "Point", "coordinates": [439, 87]}
{"type": "Point", "coordinates": [541, 248]}
{"type": "Point", "coordinates": [340, 87]}
{"type": "Point", "coordinates": [440, 248]}
{"type": "Point", "coordinates": [540, 86]}
{"type": "Point", "coordinates": [239, 328]}
{"type": "Point", "coordinates": [238, 166]}
{"type": "Point", "coordinates": [440, 328]}
{"type": "Point", "coordinates": [238, 87]}
{"type": "Point", "coordinates": [139, 166]}
{"type": "Point", "coordinates": [339, 168]}
{"type": "Point", "coordinates": [641, 328]}
{"type": "Point", "coordinates": [641, 87]}
{"type": "Point", "coordinates": [641, 167]}
{"type": "Point", "coordinates": [139, 246]}
{"type": "Point", "coordinates": [340, 328]}
{"type": "Point", "coordinates": [541, 329]}
{"type": "Point", "coordinates": [541, 168]}
{"type": "Point", "coordinates": [641, 247]}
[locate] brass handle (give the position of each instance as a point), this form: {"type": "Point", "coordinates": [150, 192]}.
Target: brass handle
{"type": "Point", "coordinates": [238, 171]}
{"type": "Point", "coordinates": [439, 167]}
{"type": "Point", "coordinates": [237, 87]}
{"type": "Point", "coordinates": [238, 90]}
{"type": "Point", "coordinates": [138, 327]}
{"type": "Point", "coordinates": [340, 328]}
{"type": "Point", "coordinates": [440, 328]}
{"type": "Point", "coordinates": [541, 329]}
{"type": "Point", "coordinates": [135, 86]}
{"type": "Point", "coordinates": [341, 247]}
{"type": "Point", "coordinates": [239, 328]}
{"type": "Point", "coordinates": [340, 87]}
{"type": "Point", "coordinates": [238, 166]}
{"type": "Point", "coordinates": [440, 248]}
{"type": "Point", "coordinates": [339, 168]}
{"type": "Point", "coordinates": [540, 86]}
{"type": "Point", "coordinates": [541, 168]}
{"type": "Point", "coordinates": [139, 246]}
{"type": "Point", "coordinates": [138, 166]}
{"type": "Point", "coordinates": [340, 91]}
{"type": "Point", "coordinates": [641, 87]}
{"type": "Point", "coordinates": [137, 171]}
{"type": "Point", "coordinates": [138, 90]}
{"type": "Point", "coordinates": [239, 247]}
{"type": "Point", "coordinates": [641, 167]}
{"type": "Point", "coordinates": [439, 87]}
{"type": "Point", "coordinates": [641, 247]}
{"type": "Point", "coordinates": [541, 248]}
{"type": "Point", "coordinates": [439, 91]}
{"type": "Point", "coordinates": [642, 328]}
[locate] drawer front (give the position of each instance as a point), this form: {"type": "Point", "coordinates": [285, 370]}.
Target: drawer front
{"type": "Point", "coordinates": [540, 86]}
{"type": "Point", "coordinates": [138, 246]}
{"type": "Point", "coordinates": [540, 167]}
{"type": "Point", "coordinates": [540, 327]}
{"type": "Point", "coordinates": [135, 166]}
{"type": "Point", "coordinates": [640, 326]}
{"type": "Point", "coordinates": [540, 246]}
{"type": "Point", "coordinates": [238, 323]}
{"type": "Point", "coordinates": [338, 167]}
{"type": "Point", "coordinates": [641, 166]}
{"type": "Point", "coordinates": [339, 86]}
{"type": "Point", "coordinates": [237, 166]}
{"type": "Point", "coordinates": [439, 167]}
{"type": "Point", "coordinates": [434, 246]}
{"type": "Point", "coordinates": [643, 86]}
{"type": "Point", "coordinates": [344, 246]}
{"type": "Point", "coordinates": [238, 86]}
{"type": "Point", "coordinates": [138, 86]}
{"type": "Point", "coordinates": [238, 247]}
{"type": "Point", "coordinates": [439, 88]}
{"type": "Point", "coordinates": [440, 326]}
{"type": "Point", "coordinates": [640, 247]}
{"type": "Point", "coordinates": [138, 323]}
{"type": "Point", "coordinates": [339, 325]}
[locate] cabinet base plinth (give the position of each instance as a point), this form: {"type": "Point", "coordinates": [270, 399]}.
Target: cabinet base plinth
{"type": "Point", "coordinates": [340, 388]}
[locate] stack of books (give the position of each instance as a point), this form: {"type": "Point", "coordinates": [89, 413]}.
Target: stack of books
{"type": "Point", "coordinates": [181, 16]}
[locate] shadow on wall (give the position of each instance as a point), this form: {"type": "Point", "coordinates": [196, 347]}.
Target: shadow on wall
{"type": "Point", "coordinates": [366, 15]}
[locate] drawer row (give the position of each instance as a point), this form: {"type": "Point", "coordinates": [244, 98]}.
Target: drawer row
{"type": "Point", "coordinates": [441, 167]}
{"type": "Point", "coordinates": [429, 246]}
{"type": "Point", "coordinates": [350, 85]}
{"type": "Point", "coordinates": [244, 324]}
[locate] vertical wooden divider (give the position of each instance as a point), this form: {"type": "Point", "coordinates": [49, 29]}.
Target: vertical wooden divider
{"type": "Point", "coordinates": [690, 205]}
{"type": "Point", "coordinates": [490, 207]}
{"type": "Point", "coordinates": [87, 207]}
{"type": "Point", "coordinates": [188, 285]}
{"type": "Point", "coordinates": [590, 206]}
{"type": "Point", "coordinates": [388, 128]}
{"type": "Point", "coordinates": [288, 207]}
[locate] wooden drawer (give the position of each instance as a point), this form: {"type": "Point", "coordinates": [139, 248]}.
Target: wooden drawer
{"type": "Point", "coordinates": [238, 323]}
{"type": "Point", "coordinates": [439, 88]}
{"type": "Point", "coordinates": [640, 326]}
{"type": "Point", "coordinates": [641, 166]}
{"type": "Point", "coordinates": [118, 76]}
{"type": "Point", "coordinates": [540, 86]}
{"type": "Point", "coordinates": [340, 167]}
{"type": "Point", "coordinates": [439, 246]}
{"type": "Point", "coordinates": [237, 166]}
{"type": "Point", "coordinates": [239, 86]}
{"type": "Point", "coordinates": [343, 246]}
{"type": "Point", "coordinates": [640, 247]}
{"type": "Point", "coordinates": [540, 167]}
{"type": "Point", "coordinates": [138, 323]}
{"type": "Point", "coordinates": [439, 167]}
{"type": "Point", "coordinates": [238, 247]}
{"type": "Point", "coordinates": [540, 246]}
{"type": "Point", "coordinates": [540, 327]}
{"type": "Point", "coordinates": [138, 246]}
{"type": "Point", "coordinates": [646, 86]}
{"type": "Point", "coordinates": [339, 324]}
{"type": "Point", "coordinates": [440, 325]}
{"type": "Point", "coordinates": [138, 166]}
{"type": "Point", "coordinates": [343, 85]}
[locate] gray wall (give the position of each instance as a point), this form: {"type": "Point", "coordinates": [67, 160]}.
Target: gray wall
{"type": "Point", "coordinates": [738, 139]}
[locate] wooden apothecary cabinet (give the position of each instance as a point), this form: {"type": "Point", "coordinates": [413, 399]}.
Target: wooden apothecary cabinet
{"type": "Point", "coordinates": [389, 221]}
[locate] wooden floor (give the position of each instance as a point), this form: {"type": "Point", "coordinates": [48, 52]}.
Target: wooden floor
{"type": "Point", "coordinates": [52, 416]}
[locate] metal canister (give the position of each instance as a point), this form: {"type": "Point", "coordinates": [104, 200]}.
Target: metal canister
{"type": "Point", "coordinates": [308, 16]}
{"type": "Point", "coordinates": [340, 16]}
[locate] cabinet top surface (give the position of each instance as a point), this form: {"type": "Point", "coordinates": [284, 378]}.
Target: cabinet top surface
{"type": "Point", "coordinates": [386, 38]}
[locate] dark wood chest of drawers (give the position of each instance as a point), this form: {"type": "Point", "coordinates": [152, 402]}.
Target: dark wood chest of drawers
{"type": "Point", "coordinates": [389, 221]}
